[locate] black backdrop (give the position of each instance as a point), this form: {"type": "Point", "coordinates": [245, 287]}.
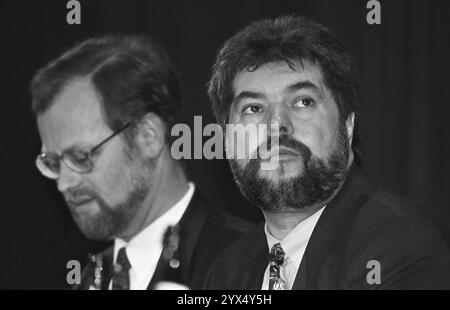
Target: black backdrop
{"type": "Point", "coordinates": [403, 66]}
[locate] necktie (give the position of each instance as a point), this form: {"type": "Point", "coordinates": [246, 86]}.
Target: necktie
{"type": "Point", "coordinates": [276, 259]}
{"type": "Point", "coordinates": [121, 277]}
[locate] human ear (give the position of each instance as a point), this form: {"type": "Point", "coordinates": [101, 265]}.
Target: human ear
{"type": "Point", "coordinates": [150, 137]}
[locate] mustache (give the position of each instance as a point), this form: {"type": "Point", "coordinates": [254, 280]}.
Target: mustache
{"type": "Point", "coordinates": [79, 194]}
{"type": "Point", "coordinates": [287, 142]}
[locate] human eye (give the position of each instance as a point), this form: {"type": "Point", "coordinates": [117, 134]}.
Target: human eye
{"type": "Point", "coordinates": [78, 157]}
{"type": "Point", "coordinates": [252, 109]}
{"type": "Point", "coordinates": [305, 102]}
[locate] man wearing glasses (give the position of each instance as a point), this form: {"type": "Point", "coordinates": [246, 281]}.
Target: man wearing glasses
{"type": "Point", "coordinates": [104, 111]}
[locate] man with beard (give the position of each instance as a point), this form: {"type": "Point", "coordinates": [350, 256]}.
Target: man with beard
{"type": "Point", "coordinates": [325, 226]}
{"type": "Point", "coordinates": [104, 112]}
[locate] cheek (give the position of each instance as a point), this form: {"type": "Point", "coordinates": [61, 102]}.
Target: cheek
{"type": "Point", "coordinates": [318, 136]}
{"type": "Point", "coordinates": [112, 180]}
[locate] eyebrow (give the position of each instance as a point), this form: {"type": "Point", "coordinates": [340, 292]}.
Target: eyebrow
{"type": "Point", "coordinates": [73, 147]}
{"type": "Point", "coordinates": [289, 89]}
{"type": "Point", "coordinates": [248, 95]}
{"type": "Point", "coordinates": [303, 85]}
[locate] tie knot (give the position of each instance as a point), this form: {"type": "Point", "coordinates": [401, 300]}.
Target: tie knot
{"type": "Point", "coordinates": [122, 261]}
{"type": "Point", "coordinates": [277, 254]}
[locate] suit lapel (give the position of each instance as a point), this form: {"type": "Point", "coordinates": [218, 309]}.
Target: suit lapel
{"type": "Point", "coordinates": [330, 233]}
{"type": "Point", "coordinates": [254, 265]}
{"type": "Point", "coordinates": [191, 225]}
{"type": "Point", "coordinates": [108, 268]}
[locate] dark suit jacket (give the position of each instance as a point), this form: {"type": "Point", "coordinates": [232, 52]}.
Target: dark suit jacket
{"type": "Point", "coordinates": [205, 232]}
{"type": "Point", "coordinates": [360, 224]}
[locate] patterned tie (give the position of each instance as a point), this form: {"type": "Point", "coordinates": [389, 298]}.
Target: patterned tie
{"type": "Point", "coordinates": [121, 277]}
{"type": "Point", "coordinates": [277, 257]}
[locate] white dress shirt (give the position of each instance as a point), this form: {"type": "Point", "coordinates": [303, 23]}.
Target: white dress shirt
{"type": "Point", "coordinates": [143, 250]}
{"type": "Point", "coordinates": [294, 245]}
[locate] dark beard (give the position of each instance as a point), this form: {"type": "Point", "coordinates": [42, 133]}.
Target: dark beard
{"type": "Point", "coordinates": [111, 220]}
{"type": "Point", "coordinates": [314, 186]}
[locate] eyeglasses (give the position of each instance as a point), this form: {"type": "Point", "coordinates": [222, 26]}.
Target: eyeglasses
{"type": "Point", "coordinates": [80, 161]}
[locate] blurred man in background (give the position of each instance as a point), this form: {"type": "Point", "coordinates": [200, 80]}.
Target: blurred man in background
{"type": "Point", "coordinates": [104, 111]}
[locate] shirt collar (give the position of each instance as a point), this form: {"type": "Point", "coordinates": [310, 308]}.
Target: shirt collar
{"type": "Point", "coordinates": [148, 243]}
{"type": "Point", "coordinates": [297, 238]}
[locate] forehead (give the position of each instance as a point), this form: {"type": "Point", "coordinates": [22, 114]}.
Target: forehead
{"type": "Point", "coordinates": [273, 78]}
{"type": "Point", "coordinates": [74, 118]}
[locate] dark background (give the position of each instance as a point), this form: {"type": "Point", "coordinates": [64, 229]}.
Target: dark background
{"type": "Point", "coordinates": [403, 65]}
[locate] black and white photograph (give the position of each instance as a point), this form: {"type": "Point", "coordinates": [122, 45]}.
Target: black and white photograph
{"type": "Point", "coordinates": [224, 146]}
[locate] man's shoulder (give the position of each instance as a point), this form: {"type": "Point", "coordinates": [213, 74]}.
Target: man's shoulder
{"type": "Point", "coordinates": [221, 219]}
{"type": "Point", "coordinates": [409, 243]}
{"type": "Point", "coordinates": [245, 246]}
{"type": "Point", "coordinates": [221, 228]}
{"type": "Point", "coordinates": [218, 219]}
{"type": "Point", "coordinates": [247, 252]}
{"type": "Point", "coordinates": [374, 207]}
{"type": "Point", "coordinates": [385, 209]}
{"type": "Point", "coordinates": [209, 232]}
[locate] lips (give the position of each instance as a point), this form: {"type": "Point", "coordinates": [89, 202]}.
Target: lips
{"type": "Point", "coordinates": [284, 151]}
{"type": "Point", "coordinates": [78, 202]}
{"type": "Point", "coordinates": [280, 153]}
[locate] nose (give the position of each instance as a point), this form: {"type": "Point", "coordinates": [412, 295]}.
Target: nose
{"type": "Point", "coordinates": [67, 178]}
{"type": "Point", "coordinates": [280, 115]}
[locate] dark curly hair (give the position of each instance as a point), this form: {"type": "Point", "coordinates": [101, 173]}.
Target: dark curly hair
{"type": "Point", "coordinates": [291, 40]}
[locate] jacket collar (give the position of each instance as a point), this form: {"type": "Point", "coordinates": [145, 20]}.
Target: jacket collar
{"type": "Point", "coordinates": [190, 226]}
{"type": "Point", "coordinates": [332, 229]}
